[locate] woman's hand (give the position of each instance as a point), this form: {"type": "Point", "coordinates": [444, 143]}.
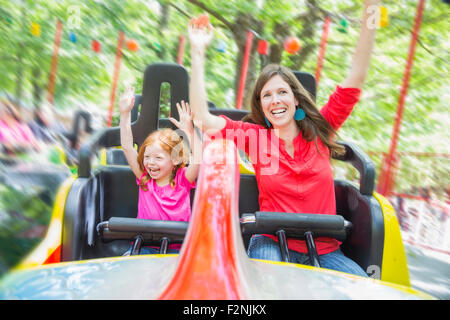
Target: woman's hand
{"type": "Point", "coordinates": [186, 124]}
{"type": "Point", "coordinates": [126, 100]}
{"type": "Point", "coordinates": [200, 32]}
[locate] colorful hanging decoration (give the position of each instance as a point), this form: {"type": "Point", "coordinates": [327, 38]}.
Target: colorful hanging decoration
{"type": "Point", "coordinates": [96, 46]}
{"type": "Point", "coordinates": [157, 46]}
{"type": "Point", "coordinates": [292, 45]}
{"type": "Point", "coordinates": [221, 46]}
{"type": "Point", "coordinates": [343, 24]}
{"type": "Point", "coordinates": [384, 17]}
{"type": "Point", "coordinates": [72, 37]}
{"type": "Point", "coordinates": [35, 29]}
{"type": "Point", "coordinates": [8, 19]}
{"type": "Point", "coordinates": [263, 47]}
{"type": "Point", "coordinates": [132, 45]}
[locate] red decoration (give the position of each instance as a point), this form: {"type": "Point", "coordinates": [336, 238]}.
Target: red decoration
{"type": "Point", "coordinates": [248, 49]}
{"type": "Point", "coordinates": [132, 45]}
{"type": "Point", "coordinates": [386, 180]}
{"type": "Point", "coordinates": [263, 47]}
{"type": "Point", "coordinates": [323, 46]}
{"type": "Point", "coordinates": [96, 46]}
{"type": "Point", "coordinates": [292, 45]}
{"type": "Point", "coordinates": [181, 44]}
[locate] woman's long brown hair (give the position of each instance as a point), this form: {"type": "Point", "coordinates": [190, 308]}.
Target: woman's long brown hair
{"type": "Point", "coordinates": [312, 126]}
{"type": "Point", "coordinates": [171, 142]}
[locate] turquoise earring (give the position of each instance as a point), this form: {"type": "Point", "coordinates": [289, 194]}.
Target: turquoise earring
{"type": "Point", "coordinates": [267, 121]}
{"type": "Point", "coordinates": [299, 114]}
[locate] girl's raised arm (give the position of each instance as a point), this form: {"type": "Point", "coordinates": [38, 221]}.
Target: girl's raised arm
{"type": "Point", "coordinates": [126, 103]}
{"type": "Point", "coordinates": [186, 124]}
{"type": "Point", "coordinates": [363, 51]}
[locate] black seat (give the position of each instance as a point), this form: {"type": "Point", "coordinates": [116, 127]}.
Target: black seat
{"type": "Point", "coordinates": [356, 205]}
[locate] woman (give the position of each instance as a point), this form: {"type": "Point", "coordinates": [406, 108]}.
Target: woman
{"type": "Point", "coordinates": [289, 143]}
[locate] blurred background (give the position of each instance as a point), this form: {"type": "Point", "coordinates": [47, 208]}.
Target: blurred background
{"type": "Point", "coordinates": [64, 64]}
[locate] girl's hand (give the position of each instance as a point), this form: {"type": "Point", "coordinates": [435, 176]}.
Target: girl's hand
{"type": "Point", "coordinates": [200, 32]}
{"type": "Point", "coordinates": [186, 124]}
{"type": "Point", "coordinates": [126, 100]}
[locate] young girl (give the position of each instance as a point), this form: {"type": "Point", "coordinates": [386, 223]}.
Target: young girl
{"type": "Point", "coordinates": [298, 177]}
{"type": "Point", "coordinates": [161, 169]}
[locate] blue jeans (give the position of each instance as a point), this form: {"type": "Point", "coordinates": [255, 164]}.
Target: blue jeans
{"type": "Point", "coordinates": [150, 250]}
{"type": "Point", "coordinates": [262, 247]}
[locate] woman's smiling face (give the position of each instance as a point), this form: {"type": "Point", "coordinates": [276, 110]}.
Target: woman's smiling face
{"type": "Point", "coordinates": [278, 102]}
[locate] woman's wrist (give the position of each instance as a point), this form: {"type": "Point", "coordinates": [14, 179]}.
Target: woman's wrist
{"type": "Point", "coordinates": [198, 51]}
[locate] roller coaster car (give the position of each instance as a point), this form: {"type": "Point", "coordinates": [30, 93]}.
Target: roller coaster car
{"type": "Point", "coordinates": [98, 209]}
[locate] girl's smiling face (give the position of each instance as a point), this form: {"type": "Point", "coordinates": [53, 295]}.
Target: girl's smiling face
{"type": "Point", "coordinates": [158, 163]}
{"type": "Point", "coordinates": [278, 102]}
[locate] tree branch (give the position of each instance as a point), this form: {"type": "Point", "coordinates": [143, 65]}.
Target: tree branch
{"type": "Point", "coordinates": [214, 13]}
{"type": "Point", "coordinates": [184, 13]}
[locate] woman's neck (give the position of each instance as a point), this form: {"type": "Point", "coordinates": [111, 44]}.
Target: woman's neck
{"type": "Point", "coordinates": [287, 133]}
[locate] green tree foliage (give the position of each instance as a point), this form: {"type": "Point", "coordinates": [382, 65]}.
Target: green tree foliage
{"type": "Point", "coordinates": [84, 77]}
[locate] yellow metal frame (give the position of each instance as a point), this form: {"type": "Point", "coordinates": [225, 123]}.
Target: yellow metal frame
{"type": "Point", "coordinates": [394, 267]}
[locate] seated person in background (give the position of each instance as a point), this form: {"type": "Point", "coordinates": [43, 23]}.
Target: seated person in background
{"type": "Point", "coordinates": [15, 134]}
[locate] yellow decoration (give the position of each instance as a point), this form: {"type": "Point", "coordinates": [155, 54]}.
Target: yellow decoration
{"type": "Point", "coordinates": [384, 17]}
{"type": "Point", "coordinates": [35, 29]}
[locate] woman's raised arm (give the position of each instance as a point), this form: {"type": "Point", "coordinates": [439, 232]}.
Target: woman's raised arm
{"type": "Point", "coordinates": [200, 35]}
{"type": "Point", "coordinates": [363, 51]}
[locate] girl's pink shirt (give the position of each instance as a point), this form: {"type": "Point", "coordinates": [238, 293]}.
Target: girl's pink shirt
{"type": "Point", "coordinates": [166, 203]}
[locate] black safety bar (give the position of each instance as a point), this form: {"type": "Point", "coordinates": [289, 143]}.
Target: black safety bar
{"type": "Point", "coordinates": [160, 232]}
{"type": "Point", "coordinates": [284, 225]}
{"type": "Point", "coordinates": [151, 230]}
{"type": "Point", "coordinates": [293, 225]}
{"type": "Point", "coordinates": [361, 161]}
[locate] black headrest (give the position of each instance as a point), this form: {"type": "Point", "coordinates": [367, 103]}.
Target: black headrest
{"type": "Point", "coordinates": [308, 82]}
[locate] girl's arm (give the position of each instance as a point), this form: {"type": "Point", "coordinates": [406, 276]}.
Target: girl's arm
{"type": "Point", "coordinates": [126, 103]}
{"type": "Point", "coordinates": [200, 36]}
{"type": "Point", "coordinates": [186, 124]}
{"type": "Point", "coordinates": [363, 51]}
